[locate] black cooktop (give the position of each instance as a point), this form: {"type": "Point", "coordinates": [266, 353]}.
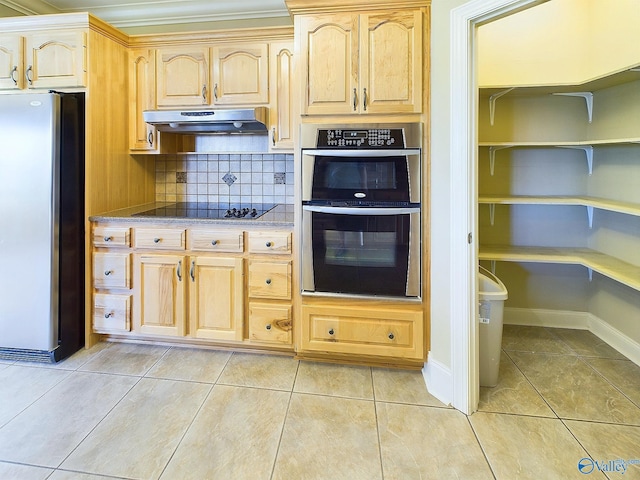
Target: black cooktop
{"type": "Point", "coordinates": [209, 210]}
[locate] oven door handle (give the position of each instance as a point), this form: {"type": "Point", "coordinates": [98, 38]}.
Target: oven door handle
{"type": "Point", "coordinates": [362, 152]}
{"type": "Point", "coordinates": [361, 210]}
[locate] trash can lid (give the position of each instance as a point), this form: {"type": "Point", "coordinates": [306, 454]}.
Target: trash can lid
{"type": "Point", "coordinates": [490, 287]}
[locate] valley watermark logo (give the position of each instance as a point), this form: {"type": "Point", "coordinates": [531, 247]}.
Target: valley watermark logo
{"type": "Point", "coordinates": [588, 465]}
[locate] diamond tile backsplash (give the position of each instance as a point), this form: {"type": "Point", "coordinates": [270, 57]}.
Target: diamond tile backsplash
{"type": "Point", "coordinates": [225, 178]}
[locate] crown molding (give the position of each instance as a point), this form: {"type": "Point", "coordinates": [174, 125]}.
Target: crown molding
{"type": "Point", "coordinates": [30, 7]}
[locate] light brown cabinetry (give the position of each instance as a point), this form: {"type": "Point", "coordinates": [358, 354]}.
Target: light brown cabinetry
{"type": "Point", "coordinates": [240, 74]}
{"type": "Point", "coordinates": [182, 76]}
{"type": "Point", "coordinates": [361, 63]}
{"type": "Point", "coordinates": [142, 63]}
{"type": "Point", "coordinates": [281, 89]}
{"type": "Point", "coordinates": [49, 59]}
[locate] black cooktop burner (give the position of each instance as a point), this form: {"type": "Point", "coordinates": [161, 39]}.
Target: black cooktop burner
{"type": "Point", "coordinates": [208, 210]}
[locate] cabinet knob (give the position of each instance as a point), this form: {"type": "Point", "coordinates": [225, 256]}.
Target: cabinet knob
{"type": "Point", "coordinates": [108, 315]}
{"type": "Point", "coordinates": [214, 242]}
{"type": "Point", "coordinates": [108, 272]}
{"type": "Point", "coordinates": [268, 281]}
{"type": "Point", "coordinates": [108, 239]}
{"type": "Point", "coordinates": [391, 336]}
{"type": "Point", "coordinates": [268, 327]}
{"type": "Point", "coordinates": [331, 332]}
{"type": "Point", "coordinates": [269, 244]}
{"type": "Point", "coordinates": [156, 240]}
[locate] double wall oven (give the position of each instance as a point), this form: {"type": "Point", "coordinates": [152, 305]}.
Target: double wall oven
{"type": "Point", "coordinates": [361, 211]}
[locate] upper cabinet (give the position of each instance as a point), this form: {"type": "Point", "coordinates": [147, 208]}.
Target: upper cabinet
{"type": "Point", "coordinates": [240, 74]}
{"type": "Point", "coordinates": [281, 87]}
{"type": "Point", "coordinates": [142, 136]}
{"type": "Point", "coordinates": [182, 76]}
{"type": "Point", "coordinates": [50, 59]}
{"type": "Point", "coordinates": [361, 63]}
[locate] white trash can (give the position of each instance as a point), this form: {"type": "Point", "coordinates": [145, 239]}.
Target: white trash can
{"type": "Point", "coordinates": [492, 294]}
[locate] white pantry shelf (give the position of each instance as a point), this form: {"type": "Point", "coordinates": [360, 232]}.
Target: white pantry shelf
{"type": "Point", "coordinates": [611, 267]}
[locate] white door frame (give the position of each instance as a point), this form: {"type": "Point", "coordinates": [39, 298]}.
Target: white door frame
{"type": "Point", "coordinates": [463, 192]}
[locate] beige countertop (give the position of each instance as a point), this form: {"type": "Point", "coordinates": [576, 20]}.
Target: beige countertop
{"type": "Point", "coordinates": [279, 216]}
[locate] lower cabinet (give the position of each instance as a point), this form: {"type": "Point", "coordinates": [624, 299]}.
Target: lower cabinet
{"type": "Point", "coordinates": [362, 330]}
{"type": "Point", "coordinates": [213, 286]}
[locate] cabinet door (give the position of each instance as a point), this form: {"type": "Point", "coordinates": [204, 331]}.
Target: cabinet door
{"type": "Point", "coordinates": [240, 74]}
{"type": "Point", "coordinates": [161, 290]}
{"type": "Point", "coordinates": [56, 59]}
{"type": "Point", "coordinates": [11, 67]}
{"type": "Point", "coordinates": [216, 297]}
{"type": "Point", "coordinates": [329, 45]}
{"type": "Point", "coordinates": [182, 76]}
{"type": "Point", "coordinates": [391, 62]}
{"type": "Point", "coordinates": [281, 86]}
{"type": "Point", "coordinates": [142, 64]}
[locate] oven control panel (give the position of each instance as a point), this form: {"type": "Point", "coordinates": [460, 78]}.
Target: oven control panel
{"type": "Point", "coordinates": [361, 138]}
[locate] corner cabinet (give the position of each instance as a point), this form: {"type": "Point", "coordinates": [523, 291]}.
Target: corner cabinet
{"type": "Point", "coordinates": [367, 63]}
{"type": "Point", "coordinates": [48, 59]}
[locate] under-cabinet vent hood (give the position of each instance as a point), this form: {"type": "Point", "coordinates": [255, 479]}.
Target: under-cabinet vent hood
{"type": "Point", "coordinates": [246, 120]}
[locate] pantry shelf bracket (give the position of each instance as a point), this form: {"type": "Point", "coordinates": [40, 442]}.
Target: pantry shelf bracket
{"type": "Point", "coordinates": [492, 157]}
{"type": "Point", "coordinates": [588, 98]}
{"type": "Point", "coordinates": [492, 103]}
{"type": "Point", "coordinates": [493, 267]}
{"type": "Point", "coordinates": [492, 213]}
{"type": "Point", "coordinates": [588, 151]}
{"type": "Point", "coordinates": [590, 270]}
{"type": "Point", "coordinates": [590, 215]}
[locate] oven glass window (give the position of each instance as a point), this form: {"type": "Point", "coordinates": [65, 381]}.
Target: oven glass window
{"type": "Point", "coordinates": [365, 178]}
{"type": "Point", "coordinates": [360, 254]}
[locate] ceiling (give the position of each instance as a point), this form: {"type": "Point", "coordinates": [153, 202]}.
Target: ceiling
{"type": "Point", "coordinates": [134, 13]}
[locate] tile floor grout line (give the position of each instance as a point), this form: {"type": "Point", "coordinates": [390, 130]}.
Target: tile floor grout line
{"type": "Point", "coordinates": [186, 430]}
{"type": "Point", "coordinates": [484, 454]}
{"type": "Point", "coordinates": [375, 412]}
{"type": "Point", "coordinates": [99, 422]}
{"type": "Point", "coordinates": [578, 440]}
{"type": "Point", "coordinates": [284, 422]}
{"type": "Point", "coordinates": [533, 386]}
{"type": "Point", "coordinates": [606, 379]}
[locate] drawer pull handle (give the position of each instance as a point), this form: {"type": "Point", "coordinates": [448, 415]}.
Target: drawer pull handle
{"type": "Point", "coordinates": [214, 242]}
{"type": "Point", "coordinates": [269, 244]}
{"type": "Point", "coordinates": [108, 315]}
{"type": "Point", "coordinates": [108, 239]}
{"type": "Point", "coordinates": [156, 240]}
{"type": "Point", "coordinates": [391, 336]}
{"type": "Point", "coordinates": [331, 332]}
{"type": "Point", "coordinates": [268, 281]}
{"type": "Point", "coordinates": [268, 327]}
{"type": "Point", "coordinates": [108, 272]}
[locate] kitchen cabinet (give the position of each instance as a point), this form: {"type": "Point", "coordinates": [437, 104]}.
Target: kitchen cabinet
{"type": "Point", "coordinates": [281, 89]}
{"type": "Point", "coordinates": [376, 331]}
{"type": "Point", "coordinates": [557, 180]}
{"type": "Point", "coordinates": [240, 74]}
{"type": "Point", "coordinates": [200, 283]}
{"type": "Point", "coordinates": [364, 63]}
{"type": "Point", "coordinates": [182, 76]}
{"type": "Point", "coordinates": [143, 138]}
{"type": "Point", "coordinates": [48, 59]}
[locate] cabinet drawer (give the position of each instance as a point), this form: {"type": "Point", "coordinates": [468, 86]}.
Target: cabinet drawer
{"type": "Point", "coordinates": [159, 238]}
{"type": "Point", "coordinates": [269, 280]}
{"type": "Point", "coordinates": [111, 237]}
{"type": "Point", "coordinates": [270, 323]}
{"type": "Point", "coordinates": [270, 242]}
{"type": "Point", "coordinates": [215, 241]}
{"type": "Point", "coordinates": [111, 270]}
{"type": "Point", "coordinates": [111, 313]}
{"type": "Point", "coordinates": [357, 330]}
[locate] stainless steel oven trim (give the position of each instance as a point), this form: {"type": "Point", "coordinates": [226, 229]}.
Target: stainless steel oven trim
{"type": "Point", "coordinates": [414, 268]}
{"type": "Point", "coordinates": [362, 152]}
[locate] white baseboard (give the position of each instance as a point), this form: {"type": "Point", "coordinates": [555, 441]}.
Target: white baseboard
{"type": "Point", "coordinates": [439, 380]}
{"type": "Point", "coordinates": [577, 320]}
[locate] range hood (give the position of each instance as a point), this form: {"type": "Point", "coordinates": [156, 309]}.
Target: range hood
{"type": "Point", "coordinates": [246, 120]}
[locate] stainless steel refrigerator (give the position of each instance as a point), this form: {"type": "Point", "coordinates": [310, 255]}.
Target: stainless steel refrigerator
{"type": "Point", "coordinates": [41, 225]}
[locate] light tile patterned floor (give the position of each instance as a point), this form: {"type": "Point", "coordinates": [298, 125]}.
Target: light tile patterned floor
{"type": "Point", "coordinates": [150, 412]}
